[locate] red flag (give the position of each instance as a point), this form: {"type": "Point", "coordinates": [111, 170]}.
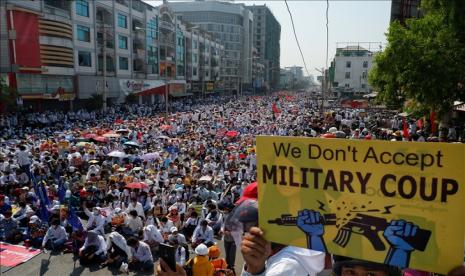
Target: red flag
{"type": "Point", "coordinates": [433, 122]}
{"type": "Point", "coordinates": [420, 123]}
{"type": "Point", "coordinates": [405, 130]}
{"type": "Point", "coordinates": [275, 108]}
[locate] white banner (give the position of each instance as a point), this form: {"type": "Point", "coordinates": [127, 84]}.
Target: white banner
{"type": "Point", "coordinates": [134, 86]}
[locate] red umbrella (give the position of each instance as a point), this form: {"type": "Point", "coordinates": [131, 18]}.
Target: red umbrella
{"type": "Point", "coordinates": [328, 135]}
{"type": "Point", "coordinates": [100, 139]}
{"type": "Point", "coordinates": [137, 185]}
{"type": "Point", "coordinates": [90, 135]}
{"type": "Point", "coordinates": [232, 133]}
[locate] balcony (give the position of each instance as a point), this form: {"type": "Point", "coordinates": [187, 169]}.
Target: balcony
{"type": "Point", "coordinates": [165, 25]}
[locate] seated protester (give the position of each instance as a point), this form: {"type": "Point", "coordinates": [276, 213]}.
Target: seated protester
{"type": "Point", "coordinates": [219, 264]}
{"type": "Point", "coordinates": [214, 219]}
{"type": "Point", "coordinates": [191, 224]}
{"type": "Point", "coordinates": [55, 237]}
{"type": "Point", "coordinates": [203, 234]}
{"type": "Point", "coordinates": [23, 213]}
{"type": "Point", "coordinates": [141, 255]}
{"type": "Point", "coordinates": [152, 236]}
{"type": "Point", "coordinates": [178, 236]}
{"type": "Point", "coordinates": [96, 220]}
{"type": "Point", "coordinates": [137, 206]}
{"type": "Point", "coordinates": [118, 251]}
{"type": "Point", "coordinates": [4, 206]}
{"type": "Point", "coordinates": [9, 231]}
{"type": "Point", "coordinates": [93, 250]}
{"type": "Point", "coordinates": [133, 223]}
{"type": "Point", "coordinates": [180, 251]}
{"type": "Point", "coordinates": [165, 227]}
{"type": "Point", "coordinates": [118, 219]}
{"type": "Point", "coordinates": [35, 232]}
{"type": "Point", "coordinates": [151, 218]}
{"type": "Point", "coordinates": [174, 216]}
{"type": "Point", "coordinates": [200, 264]}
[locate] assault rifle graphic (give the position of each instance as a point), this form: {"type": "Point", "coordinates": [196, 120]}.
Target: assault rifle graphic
{"type": "Point", "coordinates": [361, 224]}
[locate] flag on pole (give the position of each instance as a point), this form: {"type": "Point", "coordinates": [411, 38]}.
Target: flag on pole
{"type": "Point", "coordinates": [275, 108]}
{"type": "Point", "coordinates": [39, 188]}
{"type": "Point", "coordinates": [73, 220]}
{"type": "Point", "coordinates": [61, 188]}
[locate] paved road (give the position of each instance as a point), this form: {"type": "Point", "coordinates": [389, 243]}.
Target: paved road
{"type": "Point", "coordinates": [59, 265]}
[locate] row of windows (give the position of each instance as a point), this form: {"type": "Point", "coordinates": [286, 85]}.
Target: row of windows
{"type": "Point", "coordinates": [85, 60]}
{"type": "Point", "coordinates": [83, 34]}
{"type": "Point", "coordinates": [364, 75]}
{"type": "Point", "coordinates": [349, 64]}
{"type": "Point", "coordinates": [82, 7]}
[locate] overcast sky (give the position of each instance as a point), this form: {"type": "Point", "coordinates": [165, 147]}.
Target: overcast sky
{"type": "Point", "coordinates": [349, 21]}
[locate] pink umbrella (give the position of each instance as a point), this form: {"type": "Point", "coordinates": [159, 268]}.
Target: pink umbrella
{"type": "Point", "coordinates": [166, 127]}
{"type": "Point", "coordinates": [137, 185]}
{"type": "Point", "coordinates": [100, 139]}
{"type": "Point", "coordinates": [90, 135]}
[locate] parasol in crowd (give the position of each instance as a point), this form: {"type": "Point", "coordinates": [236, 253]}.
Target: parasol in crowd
{"type": "Point", "coordinates": [100, 139]}
{"type": "Point", "coordinates": [122, 130]}
{"type": "Point", "coordinates": [137, 185]}
{"type": "Point", "coordinates": [328, 135]}
{"type": "Point", "coordinates": [166, 127]}
{"type": "Point", "coordinates": [150, 156]}
{"type": "Point", "coordinates": [111, 135]}
{"type": "Point", "coordinates": [90, 135]}
{"type": "Point", "coordinates": [232, 133]}
{"type": "Point", "coordinates": [132, 144]}
{"type": "Point", "coordinates": [117, 154]}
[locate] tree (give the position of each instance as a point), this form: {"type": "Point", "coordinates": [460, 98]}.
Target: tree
{"type": "Point", "coordinates": [95, 102]}
{"type": "Point", "coordinates": [422, 63]}
{"type": "Point", "coordinates": [8, 96]}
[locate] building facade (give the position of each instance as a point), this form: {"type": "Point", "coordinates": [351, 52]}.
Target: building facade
{"type": "Point", "coordinates": [56, 50]}
{"type": "Point", "coordinates": [232, 25]}
{"type": "Point", "coordinates": [348, 73]}
{"type": "Point", "coordinates": [267, 41]}
{"type": "Point", "coordinates": [404, 9]}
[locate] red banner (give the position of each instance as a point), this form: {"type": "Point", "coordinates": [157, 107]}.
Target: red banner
{"type": "Point", "coordinates": [13, 255]}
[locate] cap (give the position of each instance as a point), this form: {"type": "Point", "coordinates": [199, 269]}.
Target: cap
{"type": "Point", "coordinates": [201, 250]}
{"type": "Point", "coordinates": [174, 229]}
{"type": "Point", "coordinates": [214, 252]}
{"type": "Point", "coordinates": [33, 219]}
{"type": "Point", "coordinates": [250, 192]}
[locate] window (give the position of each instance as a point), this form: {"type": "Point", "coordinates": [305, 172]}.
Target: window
{"type": "Point", "coordinates": [347, 85]}
{"type": "Point", "coordinates": [83, 33]}
{"type": "Point", "coordinates": [347, 75]}
{"type": "Point", "coordinates": [84, 59]}
{"type": "Point", "coordinates": [82, 8]}
{"type": "Point", "coordinates": [364, 75]}
{"type": "Point", "coordinates": [122, 42]}
{"type": "Point", "coordinates": [122, 21]}
{"type": "Point", "coordinates": [110, 41]}
{"type": "Point", "coordinates": [110, 64]}
{"type": "Point", "coordinates": [364, 86]}
{"type": "Point", "coordinates": [195, 58]}
{"type": "Point", "coordinates": [195, 44]}
{"type": "Point", "coordinates": [348, 64]}
{"type": "Point", "coordinates": [194, 71]}
{"type": "Point", "coordinates": [365, 64]}
{"type": "Point", "coordinates": [123, 63]}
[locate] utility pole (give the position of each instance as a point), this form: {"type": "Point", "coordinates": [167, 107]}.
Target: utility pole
{"type": "Point", "coordinates": [323, 91]}
{"type": "Point", "coordinates": [104, 73]}
{"type": "Point", "coordinates": [166, 98]}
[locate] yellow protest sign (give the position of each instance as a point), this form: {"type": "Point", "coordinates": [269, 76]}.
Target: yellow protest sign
{"type": "Point", "coordinates": [396, 203]}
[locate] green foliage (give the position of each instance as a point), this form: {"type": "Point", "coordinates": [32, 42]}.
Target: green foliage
{"type": "Point", "coordinates": [95, 102]}
{"type": "Point", "coordinates": [8, 96]}
{"type": "Point", "coordinates": [423, 63]}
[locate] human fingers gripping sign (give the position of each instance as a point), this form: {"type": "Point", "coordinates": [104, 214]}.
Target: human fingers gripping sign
{"type": "Point", "coordinates": [255, 250]}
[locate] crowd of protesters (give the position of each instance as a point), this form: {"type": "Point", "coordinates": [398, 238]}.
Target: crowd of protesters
{"type": "Point", "coordinates": [111, 187]}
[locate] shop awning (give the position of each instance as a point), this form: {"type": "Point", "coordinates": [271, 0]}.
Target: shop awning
{"type": "Point", "coordinates": [152, 91]}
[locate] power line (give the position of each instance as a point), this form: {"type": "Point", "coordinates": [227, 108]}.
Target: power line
{"type": "Point", "coordinates": [327, 32]}
{"type": "Point", "coordinates": [296, 39]}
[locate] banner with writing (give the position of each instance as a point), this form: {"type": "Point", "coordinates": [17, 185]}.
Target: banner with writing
{"type": "Point", "coordinates": [398, 203]}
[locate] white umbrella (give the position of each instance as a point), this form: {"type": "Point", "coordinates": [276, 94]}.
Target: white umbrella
{"type": "Point", "coordinates": [123, 130]}
{"type": "Point", "coordinates": [132, 144]}
{"type": "Point", "coordinates": [150, 156]}
{"type": "Point", "coordinates": [117, 154]}
{"type": "Point", "coordinates": [206, 178]}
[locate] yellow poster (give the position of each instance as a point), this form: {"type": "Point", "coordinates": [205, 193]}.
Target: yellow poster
{"type": "Point", "coordinates": [398, 203]}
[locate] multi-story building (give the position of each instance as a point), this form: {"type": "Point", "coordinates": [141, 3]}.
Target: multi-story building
{"type": "Point", "coordinates": [56, 50]}
{"type": "Point", "coordinates": [266, 39]}
{"type": "Point", "coordinates": [404, 9]}
{"type": "Point", "coordinates": [348, 73]}
{"type": "Point", "coordinates": [231, 24]}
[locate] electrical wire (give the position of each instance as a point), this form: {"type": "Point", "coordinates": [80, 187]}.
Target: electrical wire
{"type": "Point", "coordinates": [296, 39]}
{"type": "Point", "coordinates": [327, 32]}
